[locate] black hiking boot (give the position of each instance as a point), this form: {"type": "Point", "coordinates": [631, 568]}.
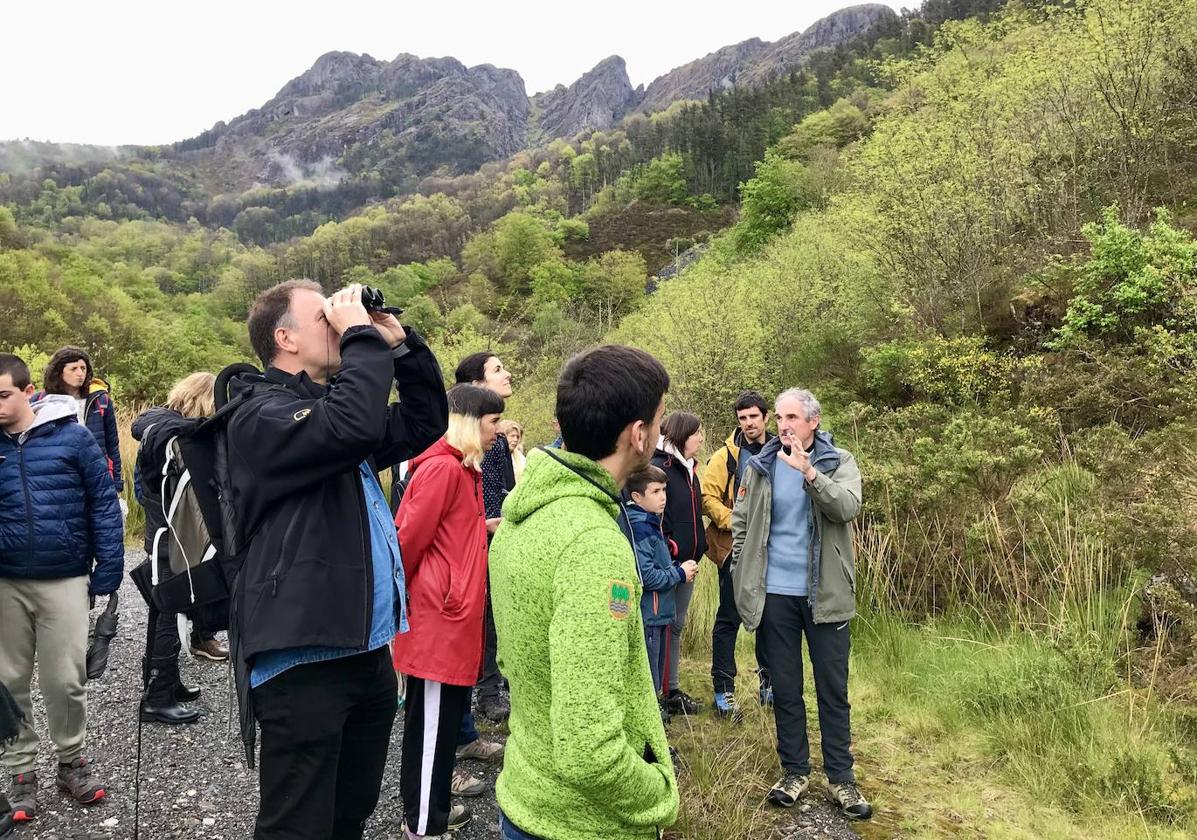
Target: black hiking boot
{"type": "Point", "coordinates": [680, 703]}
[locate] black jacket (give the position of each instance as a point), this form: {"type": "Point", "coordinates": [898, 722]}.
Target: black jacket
{"type": "Point", "coordinates": [152, 430]}
{"type": "Point", "coordinates": [682, 521]}
{"type": "Point", "coordinates": [295, 448]}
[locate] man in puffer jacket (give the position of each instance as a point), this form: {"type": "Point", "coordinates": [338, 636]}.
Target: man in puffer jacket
{"type": "Point", "coordinates": [58, 510]}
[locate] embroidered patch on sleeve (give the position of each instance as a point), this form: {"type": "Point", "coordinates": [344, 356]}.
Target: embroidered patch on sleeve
{"type": "Point", "coordinates": [621, 599]}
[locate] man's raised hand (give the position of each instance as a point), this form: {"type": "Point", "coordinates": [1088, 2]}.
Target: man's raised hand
{"type": "Point", "coordinates": [344, 309]}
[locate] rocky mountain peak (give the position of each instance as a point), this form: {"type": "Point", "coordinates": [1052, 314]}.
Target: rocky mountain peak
{"type": "Point", "coordinates": [596, 101]}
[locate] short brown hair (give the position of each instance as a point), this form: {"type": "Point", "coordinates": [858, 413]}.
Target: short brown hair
{"type": "Point", "coordinates": [679, 427]}
{"type": "Point", "coordinates": [15, 367]}
{"type": "Point", "coordinates": [269, 311]}
{"type": "Point", "coordinates": [638, 481]}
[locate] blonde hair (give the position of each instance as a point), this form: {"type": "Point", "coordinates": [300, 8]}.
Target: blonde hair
{"type": "Point", "coordinates": [506, 427]}
{"type": "Point", "coordinates": [465, 435]}
{"type": "Point", "coordinates": [194, 395]}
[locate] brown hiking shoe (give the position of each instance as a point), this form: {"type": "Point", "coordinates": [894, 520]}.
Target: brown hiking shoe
{"type": "Point", "coordinates": [23, 793]}
{"type": "Point", "coordinates": [482, 749]}
{"type": "Point", "coordinates": [464, 784]}
{"type": "Point", "coordinates": [209, 649]}
{"type": "Point", "coordinates": [76, 779]}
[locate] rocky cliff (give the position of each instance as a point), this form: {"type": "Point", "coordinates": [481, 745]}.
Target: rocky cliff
{"type": "Point", "coordinates": [754, 61]}
{"type": "Point", "coordinates": [596, 101]}
{"type": "Point", "coordinates": [405, 118]}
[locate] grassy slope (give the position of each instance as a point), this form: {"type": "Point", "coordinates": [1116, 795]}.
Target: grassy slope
{"type": "Point", "coordinates": [960, 731]}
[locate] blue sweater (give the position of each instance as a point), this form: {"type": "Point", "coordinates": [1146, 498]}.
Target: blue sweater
{"type": "Point", "coordinates": [58, 506]}
{"type": "Point", "coordinates": [657, 572]}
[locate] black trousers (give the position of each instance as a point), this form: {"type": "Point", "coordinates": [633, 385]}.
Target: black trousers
{"type": "Point", "coordinates": [787, 618]}
{"type": "Point", "coordinates": [326, 728]}
{"type": "Point", "coordinates": [488, 680]}
{"type": "Point", "coordinates": [163, 659]}
{"type": "Point", "coordinates": [723, 640]}
{"type": "Point", "coordinates": [432, 714]}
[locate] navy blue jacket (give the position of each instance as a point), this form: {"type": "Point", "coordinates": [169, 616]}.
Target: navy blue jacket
{"type": "Point", "coordinates": [660, 577]}
{"type": "Point", "coordinates": [100, 418]}
{"type": "Point", "coordinates": [58, 505]}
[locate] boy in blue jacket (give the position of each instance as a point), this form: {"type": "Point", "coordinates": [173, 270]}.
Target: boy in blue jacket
{"type": "Point", "coordinates": [58, 511]}
{"type": "Point", "coordinates": [657, 570]}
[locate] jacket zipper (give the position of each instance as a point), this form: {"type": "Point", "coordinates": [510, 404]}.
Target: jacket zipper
{"type": "Point", "coordinates": [365, 541]}
{"type": "Point", "coordinates": [693, 518]}
{"type": "Point", "coordinates": [28, 501]}
{"type": "Point", "coordinates": [273, 577]}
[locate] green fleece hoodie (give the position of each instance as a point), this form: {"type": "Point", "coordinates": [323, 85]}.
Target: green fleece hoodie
{"type": "Point", "coordinates": [587, 757]}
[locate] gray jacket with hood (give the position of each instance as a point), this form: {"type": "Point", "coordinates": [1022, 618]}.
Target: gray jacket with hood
{"type": "Point", "coordinates": [835, 503]}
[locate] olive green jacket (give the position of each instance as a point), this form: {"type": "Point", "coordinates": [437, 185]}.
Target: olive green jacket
{"type": "Point", "coordinates": [835, 502]}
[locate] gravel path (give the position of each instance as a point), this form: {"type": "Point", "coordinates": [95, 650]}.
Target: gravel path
{"type": "Point", "coordinates": [194, 782]}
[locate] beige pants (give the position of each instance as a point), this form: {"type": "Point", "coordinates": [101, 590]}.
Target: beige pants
{"type": "Point", "coordinates": [46, 618]}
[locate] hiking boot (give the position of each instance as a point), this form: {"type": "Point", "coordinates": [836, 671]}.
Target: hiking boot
{"type": "Point", "coordinates": [76, 779]}
{"type": "Point", "coordinates": [459, 817]}
{"type": "Point", "coordinates": [846, 796]}
{"type": "Point", "coordinates": [466, 785]}
{"type": "Point", "coordinates": [183, 694]}
{"type": "Point", "coordinates": [6, 823]}
{"type": "Point", "coordinates": [495, 708]}
{"type": "Point", "coordinates": [209, 649]}
{"type": "Point", "coordinates": [481, 749]}
{"type": "Point", "coordinates": [23, 791]}
{"type": "Point", "coordinates": [727, 707]}
{"type": "Point", "coordinates": [787, 791]}
{"type": "Point", "coordinates": [665, 716]}
{"type": "Point", "coordinates": [680, 703]}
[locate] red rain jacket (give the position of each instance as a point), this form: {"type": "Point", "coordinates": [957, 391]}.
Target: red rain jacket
{"type": "Point", "coordinates": [442, 536]}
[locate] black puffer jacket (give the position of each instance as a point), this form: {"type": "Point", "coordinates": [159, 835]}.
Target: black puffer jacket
{"type": "Point", "coordinates": [682, 521]}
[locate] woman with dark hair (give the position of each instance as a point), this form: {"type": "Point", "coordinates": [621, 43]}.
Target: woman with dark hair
{"type": "Point", "coordinates": [442, 537]}
{"type": "Point", "coordinates": [70, 372]}
{"type": "Point", "coordinates": [677, 453]}
{"type": "Point", "coordinates": [485, 370]}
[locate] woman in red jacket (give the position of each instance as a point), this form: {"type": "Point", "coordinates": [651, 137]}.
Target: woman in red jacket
{"type": "Point", "coordinates": [442, 537]}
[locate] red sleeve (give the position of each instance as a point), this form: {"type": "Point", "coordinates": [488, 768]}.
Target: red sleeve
{"type": "Point", "coordinates": [421, 510]}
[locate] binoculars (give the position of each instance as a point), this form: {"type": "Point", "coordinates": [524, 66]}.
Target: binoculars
{"type": "Point", "coordinates": [373, 301]}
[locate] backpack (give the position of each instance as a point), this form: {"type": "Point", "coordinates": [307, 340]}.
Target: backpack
{"type": "Point", "coordinates": [202, 537]}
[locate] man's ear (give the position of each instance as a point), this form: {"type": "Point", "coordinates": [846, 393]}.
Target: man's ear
{"type": "Point", "coordinates": [638, 437]}
{"type": "Point", "coordinates": [29, 390]}
{"type": "Point", "coordinates": [283, 342]}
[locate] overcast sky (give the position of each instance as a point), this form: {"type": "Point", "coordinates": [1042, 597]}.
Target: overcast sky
{"type": "Point", "coordinates": [134, 71]}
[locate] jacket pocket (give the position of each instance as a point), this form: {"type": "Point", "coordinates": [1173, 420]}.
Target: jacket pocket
{"type": "Point", "coordinates": [848, 566]}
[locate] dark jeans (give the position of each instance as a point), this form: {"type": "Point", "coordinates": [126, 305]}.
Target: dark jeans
{"type": "Point", "coordinates": [508, 831]}
{"type": "Point", "coordinates": [723, 640]}
{"type": "Point", "coordinates": [468, 732]}
{"type": "Point", "coordinates": [787, 618]}
{"type": "Point", "coordinates": [656, 638]}
{"type": "Point", "coordinates": [326, 728]}
{"type": "Point", "coordinates": [432, 714]}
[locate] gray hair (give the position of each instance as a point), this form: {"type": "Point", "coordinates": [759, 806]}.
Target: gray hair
{"type": "Point", "coordinates": [810, 406]}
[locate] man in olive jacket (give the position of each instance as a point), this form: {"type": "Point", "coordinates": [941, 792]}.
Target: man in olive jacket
{"type": "Point", "coordinates": [795, 576]}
